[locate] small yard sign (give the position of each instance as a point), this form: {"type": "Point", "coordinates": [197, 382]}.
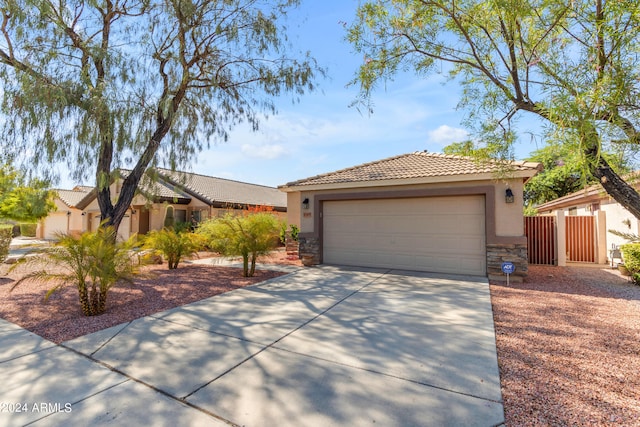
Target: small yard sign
{"type": "Point", "coordinates": [508, 268]}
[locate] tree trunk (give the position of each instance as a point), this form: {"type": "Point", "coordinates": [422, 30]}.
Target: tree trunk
{"type": "Point", "coordinates": [245, 265]}
{"type": "Point", "coordinates": [113, 215]}
{"type": "Point", "coordinates": [615, 186]}
{"type": "Point", "coordinates": [253, 265]}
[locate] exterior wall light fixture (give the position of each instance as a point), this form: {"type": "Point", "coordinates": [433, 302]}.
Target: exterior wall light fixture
{"type": "Point", "coordinates": [305, 203]}
{"type": "Point", "coordinates": [508, 196]}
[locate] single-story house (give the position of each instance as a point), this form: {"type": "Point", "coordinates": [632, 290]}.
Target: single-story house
{"type": "Point", "coordinates": [66, 218]}
{"type": "Point", "coordinates": [609, 215]}
{"type": "Point", "coordinates": [418, 211]}
{"type": "Point", "coordinates": [193, 197]}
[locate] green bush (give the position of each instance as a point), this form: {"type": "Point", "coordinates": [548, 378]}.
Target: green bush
{"type": "Point", "coordinates": [93, 262]}
{"type": "Point", "coordinates": [631, 258]}
{"type": "Point", "coordinates": [293, 231]}
{"type": "Point", "coordinates": [173, 245]}
{"type": "Point", "coordinates": [6, 234]}
{"type": "Point", "coordinates": [246, 235]}
{"type": "Point", "coordinates": [28, 229]}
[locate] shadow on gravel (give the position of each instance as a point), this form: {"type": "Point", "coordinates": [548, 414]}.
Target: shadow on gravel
{"type": "Point", "coordinates": [587, 281]}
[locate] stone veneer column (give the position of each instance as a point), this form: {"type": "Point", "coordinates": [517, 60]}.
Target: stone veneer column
{"type": "Point", "coordinates": [497, 253]}
{"type": "Point", "coordinates": [309, 249]}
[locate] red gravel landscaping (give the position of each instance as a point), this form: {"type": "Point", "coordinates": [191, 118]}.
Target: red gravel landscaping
{"type": "Point", "coordinates": [568, 343]}
{"type": "Point", "coordinates": [60, 318]}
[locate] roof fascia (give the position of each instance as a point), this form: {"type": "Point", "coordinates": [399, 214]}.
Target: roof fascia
{"type": "Point", "coordinates": [407, 181]}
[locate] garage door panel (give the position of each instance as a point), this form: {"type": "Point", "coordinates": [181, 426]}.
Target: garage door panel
{"type": "Point", "coordinates": [55, 223]}
{"type": "Point", "coordinates": [441, 234]}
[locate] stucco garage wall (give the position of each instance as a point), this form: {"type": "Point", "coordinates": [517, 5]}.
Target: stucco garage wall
{"type": "Point", "coordinates": [504, 224]}
{"type": "Point", "coordinates": [510, 214]}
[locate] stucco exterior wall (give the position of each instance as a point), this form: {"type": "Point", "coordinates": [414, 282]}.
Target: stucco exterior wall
{"type": "Point", "coordinates": [508, 216]}
{"type": "Point", "coordinates": [619, 219]}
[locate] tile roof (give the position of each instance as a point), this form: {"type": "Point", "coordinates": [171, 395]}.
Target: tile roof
{"type": "Point", "coordinates": [220, 190]}
{"type": "Point", "coordinates": [85, 188]}
{"type": "Point", "coordinates": [419, 164]}
{"type": "Point", "coordinates": [587, 194]}
{"type": "Point", "coordinates": [160, 190]}
{"type": "Point", "coordinates": [71, 197]}
{"type": "Point", "coordinates": [182, 186]}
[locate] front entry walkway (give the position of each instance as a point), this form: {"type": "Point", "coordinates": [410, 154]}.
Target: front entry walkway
{"type": "Point", "coordinates": [318, 347]}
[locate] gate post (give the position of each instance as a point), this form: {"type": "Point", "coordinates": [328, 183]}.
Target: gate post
{"type": "Point", "coordinates": [601, 237]}
{"type": "Point", "coordinates": [561, 238]}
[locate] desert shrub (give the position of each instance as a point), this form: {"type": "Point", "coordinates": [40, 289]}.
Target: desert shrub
{"type": "Point", "coordinates": [631, 257]}
{"type": "Point", "coordinates": [173, 245]}
{"type": "Point", "coordinates": [246, 235]}
{"type": "Point", "coordinates": [92, 262]}
{"type": "Point", "coordinates": [292, 231]}
{"type": "Point", "coordinates": [28, 229]}
{"type": "Point", "coordinates": [6, 234]}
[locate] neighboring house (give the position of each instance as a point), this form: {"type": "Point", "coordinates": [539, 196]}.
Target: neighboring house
{"type": "Point", "coordinates": [609, 215]}
{"type": "Point", "coordinates": [67, 218]}
{"type": "Point", "coordinates": [417, 211]}
{"type": "Point", "coordinates": [193, 197]}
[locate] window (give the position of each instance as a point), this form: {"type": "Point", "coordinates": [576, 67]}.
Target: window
{"type": "Point", "coordinates": [180, 215]}
{"type": "Point", "coordinates": [573, 211]}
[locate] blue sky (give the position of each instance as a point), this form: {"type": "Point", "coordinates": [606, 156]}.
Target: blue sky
{"type": "Point", "coordinates": [322, 133]}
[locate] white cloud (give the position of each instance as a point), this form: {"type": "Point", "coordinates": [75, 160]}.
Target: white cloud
{"type": "Point", "coordinates": [445, 135]}
{"type": "Point", "coordinates": [264, 151]}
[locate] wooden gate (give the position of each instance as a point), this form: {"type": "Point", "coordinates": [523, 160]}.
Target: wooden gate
{"type": "Point", "coordinates": [581, 238]}
{"type": "Point", "coordinates": [541, 239]}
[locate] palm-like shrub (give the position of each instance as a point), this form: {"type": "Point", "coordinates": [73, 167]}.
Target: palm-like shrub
{"type": "Point", "coordinates": [248, 235]}
{"type": "Point", "coordinates": [92, 262]}
{"type": "Point", "coordinates": [173, 245]}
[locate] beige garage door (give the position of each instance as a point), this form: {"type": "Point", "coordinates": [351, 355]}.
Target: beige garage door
{"type": "Point", "coordinates": [55, 223]}
{"type": "Point", "coordinates": [439, 234]}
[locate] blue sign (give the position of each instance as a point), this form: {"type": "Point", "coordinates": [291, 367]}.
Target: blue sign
{"type": "Point", "coordinates": [508, 268]}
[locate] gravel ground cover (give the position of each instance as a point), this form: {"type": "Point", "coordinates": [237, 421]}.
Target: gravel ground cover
{"type": "Point", "coordinates": [568, 342]}
{"type": "Point", "coordinates": [157, 289]}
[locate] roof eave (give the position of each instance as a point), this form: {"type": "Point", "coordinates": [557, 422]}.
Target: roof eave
{"type": "Point", "coordinates": [294, 187]}
{"type": "Point", "coordinates": [585, 196]}
{"type": "Point", "coordinates": [86, 200]}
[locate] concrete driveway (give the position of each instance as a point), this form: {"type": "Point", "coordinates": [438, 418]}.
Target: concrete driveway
{"type": "Point", "coordinates": [318, 347]}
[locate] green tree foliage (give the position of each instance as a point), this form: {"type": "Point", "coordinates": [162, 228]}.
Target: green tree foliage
{"type": "Point", "coordinates": [464, 148]}
{"type": "Point", "coordinates": [173, 245]}
{"type": "Point", "coordinates": [22, 199]}
{"type": "Point", "coordinates": [108, 84]}
{"type": "Point", "coordinates": [91, 262]}
{"type": "Point", "coordinates": [248, 235]}
{"type": "Point", "coordinates": [631, 257]}
{"type": "Point", "coordinates": [570, 64]}
{"type": "Point", "coordinates": [563, 174]}
{"type": "Point", "coordinates": [6, 235]}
